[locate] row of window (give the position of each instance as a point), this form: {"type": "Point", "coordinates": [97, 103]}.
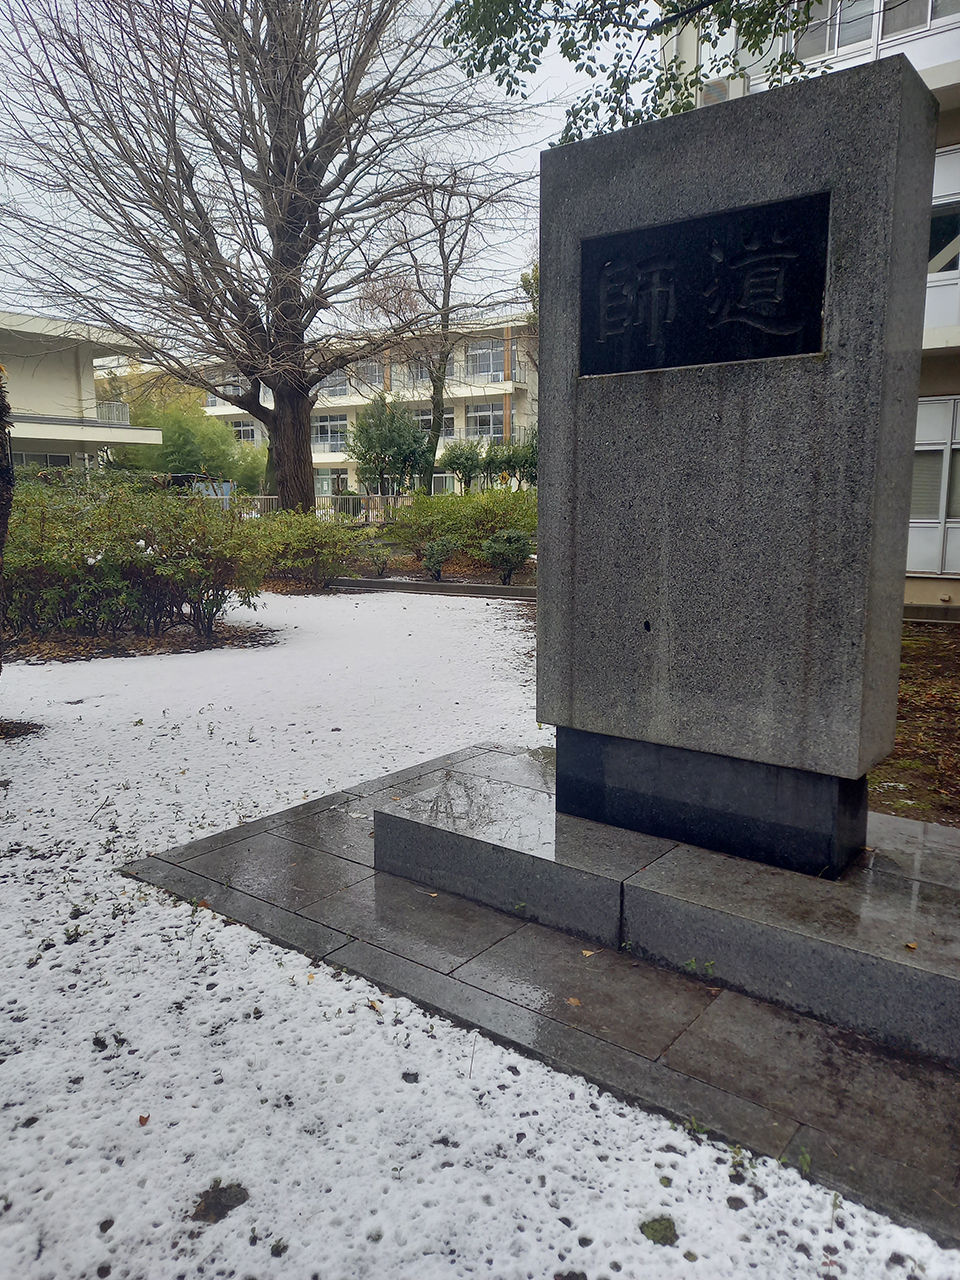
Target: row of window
{"type": "Point", "coordinates": [485, 360]}
{"type": "Point", "coordinates": [837, 24]}
{"type": "Point", "coordinates": [41, 459]}
{"type": "Point", "coordinates": [331, 482]}
{"type": "Point", "coordinates": [328, 431]}
{"type": "Point", "coordinates": [934, 544]}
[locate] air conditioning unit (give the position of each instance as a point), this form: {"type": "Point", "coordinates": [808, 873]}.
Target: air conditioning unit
{"type": "Point", "coordinates": [714, 91]}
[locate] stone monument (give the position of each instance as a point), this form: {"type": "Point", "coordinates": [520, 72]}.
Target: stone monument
{"type": "Point", "coordinates": [731, 312]}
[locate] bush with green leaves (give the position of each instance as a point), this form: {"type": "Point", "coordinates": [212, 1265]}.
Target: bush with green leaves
{"type": "Point", "coordinates": [507, 552]}
{"type": "Point", "coordinates": [301, 546]}
{"type": "Point", "coordinates": [464, 459]}
{"type": "Point", "coordinates": [96, 555]}
{"type": "Point", "coordinates": [467, 518]}
{"type": "Point", "coordinates": [436, 554]}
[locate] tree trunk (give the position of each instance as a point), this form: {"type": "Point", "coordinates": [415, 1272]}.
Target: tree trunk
{"type": "Point", "coordinates": [437, 386]}
{"type": "Point", "coordinates": [6, 493]}
{"type": "Point", "coordinates": [290, 450]}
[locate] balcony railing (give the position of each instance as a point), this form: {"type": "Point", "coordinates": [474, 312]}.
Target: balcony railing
{"type": "Point", "coordinates": [114, 411]}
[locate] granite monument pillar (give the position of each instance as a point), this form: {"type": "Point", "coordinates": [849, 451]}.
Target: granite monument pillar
{"type": "Point", "coordinates": [731, 317]}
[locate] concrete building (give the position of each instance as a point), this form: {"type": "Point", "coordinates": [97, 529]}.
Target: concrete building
{"type": "Point", "coordinates": [928, 32]}
{"type": "Point", "coordinates": [57, 421]}
{"type": "Point", "coordinates": [491, 395]}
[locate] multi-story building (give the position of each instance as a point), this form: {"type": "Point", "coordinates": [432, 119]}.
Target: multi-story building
{"type": "Point", "coordinates": [57, 421]}
{"type": "Point", "coordinates": [843, 34]}
{"type": "Point", "coordinates": [490, 395]}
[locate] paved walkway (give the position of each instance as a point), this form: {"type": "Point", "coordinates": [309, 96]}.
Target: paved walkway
{"type": "Point", "coordinates": [882, 1127]}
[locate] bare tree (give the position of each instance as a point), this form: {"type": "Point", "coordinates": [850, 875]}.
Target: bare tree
{"type": "Point", "coordinates": [220, 180]}
{"type": "Point", "coordinates": [443, 283]}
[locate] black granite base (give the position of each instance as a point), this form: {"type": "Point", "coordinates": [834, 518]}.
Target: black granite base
{"type": "Point", "coordinates": [809, 822]}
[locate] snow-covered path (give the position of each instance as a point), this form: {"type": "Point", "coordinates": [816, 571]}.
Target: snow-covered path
{"type": "Point", "coordinates": [149, 1049]}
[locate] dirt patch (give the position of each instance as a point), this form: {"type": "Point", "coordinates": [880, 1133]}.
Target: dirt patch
{"type": "Point", "coordinates": [62, 647]}
{"type": "Point", "coordinates": [10, 729]}
{"type": "Point", "coordinates": [458, 568]}
{"type": "Point", "coordinates": [921, 778]}
{"type": "Point", "coordinates": [216, 1202]}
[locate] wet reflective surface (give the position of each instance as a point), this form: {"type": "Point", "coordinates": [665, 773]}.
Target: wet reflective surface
{"type": "Point", "coordinates": [881, 1125]}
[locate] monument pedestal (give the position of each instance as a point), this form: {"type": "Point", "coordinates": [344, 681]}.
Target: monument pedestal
{"type": "Point", "coordinates": [791, 818]}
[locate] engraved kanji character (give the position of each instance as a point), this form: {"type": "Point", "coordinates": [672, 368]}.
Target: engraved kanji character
{"type": "Point", "coordinates": [618, 296]}
{"type": "Point", "coordinates": [749, 288]}
{"type": "Point", "coordinates": [656, 298]}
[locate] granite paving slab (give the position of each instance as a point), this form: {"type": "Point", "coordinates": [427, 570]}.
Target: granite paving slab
{"type": "Point", "coordinates": [278, 870]}
{"type": "Point", "coordinates": [839, 1083]}
{"type": "Point", "coordinates": [626, 1002]}
{"type": "Point", "coordinates": [568, 1048]}
{"type": "Point", "coordinates": [435, 929]}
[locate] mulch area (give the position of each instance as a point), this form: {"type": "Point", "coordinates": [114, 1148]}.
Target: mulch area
{"type": "Point", "coordinates": [458, 568]}
{"type": "Point", "coordinates": [921, 778]}
{"type": "Point", "coordinates": [70, 648]}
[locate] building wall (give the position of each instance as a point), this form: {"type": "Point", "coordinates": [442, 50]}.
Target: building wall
{"type": "Point", "coordinates": [510, 390]}
{"type": "Point", "coordinates": [49, 368]}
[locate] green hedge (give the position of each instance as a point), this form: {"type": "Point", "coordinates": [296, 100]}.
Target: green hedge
{"type": "Point", "coordinates": [468, 519]}
{"type": "Point", "coordinates": [96, 555]}
{"type": "Point", "coordinates": [299, 545]}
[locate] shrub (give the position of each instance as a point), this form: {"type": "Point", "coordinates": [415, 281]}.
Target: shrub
{"type": "Point", "coordinates": [507, 552]}
{"type": "Point", "coordinates": [379, 557]}
{"type": "Point", "coordinates": [95, 555]}
{"type": "Point", "coordinates": [467, 518]}
{"type": "Point", "coordinates": [436, 554]}
{"type": "Point", "coordinates": [299, 545]}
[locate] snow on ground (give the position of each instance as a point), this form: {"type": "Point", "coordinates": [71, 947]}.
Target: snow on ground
{"type": "Point", "coordinates": [149, 1049]}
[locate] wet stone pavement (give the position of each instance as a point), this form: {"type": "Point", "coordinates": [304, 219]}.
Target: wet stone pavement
{"type": "Point", "coordinates": [877, 1123]}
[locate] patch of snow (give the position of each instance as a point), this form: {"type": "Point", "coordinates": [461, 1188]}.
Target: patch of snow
{"type": "Point", "coordinates": [150, 1048]}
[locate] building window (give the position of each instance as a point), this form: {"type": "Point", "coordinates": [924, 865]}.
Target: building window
{"type": "Point", "coordinates": [424, 419]}
{"type": "Point", "coordinates": [944, 239]}
{"type": "Point", "coordinates": [485, 359]}
{"type": "Point", "coordinates": [329, 481]}
{"type": "Point", "coordinates": [244, 431]}
{"type": "Point", "coordinates": [41, 459]}
{"type": "Point", "coordinates": [334, 384]}
{"type": "Point", "coordinates": [444, 482]}
{"type": "Point", "coordinates": [328, 432]}
{"type": "Point", "coordinates": [485, 420]}
{"type": "Point", "coordinates": [419, 370]}
{"type": "Point", "coordinates": [908, 15]}
{"type": "Point", "coordinates": [934, 545]}
{"type": "Point", "coordinates": [836, 25]}
{"type": "Point", "coordinates": [369, 375]}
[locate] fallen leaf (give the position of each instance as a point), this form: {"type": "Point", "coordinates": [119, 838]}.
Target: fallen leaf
{"type": "Point", "coordinates": [374, 1006]}
{"type": "Point", "coordinates": [144, 1119]}
{"type": "Point", "coordinates": [395, 797]}
{"type": "Point", "coordinates": [432, 895]}
{"type": "Point", "coordinates": [310, 977]}
{"type": "Point", "coordinates": [911, 946]}
{"type": "Point", "coordinates": [588, 953]}
{"type": "Point", "coordinates": [573, 1000]}
{"type": "Point", "coordinates": [203, 903]}
{"type": "Point", "coordinates": [714, 991]}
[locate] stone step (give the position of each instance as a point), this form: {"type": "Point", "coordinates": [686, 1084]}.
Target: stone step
{"type": "Point", "coordinates": [877, 951]}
